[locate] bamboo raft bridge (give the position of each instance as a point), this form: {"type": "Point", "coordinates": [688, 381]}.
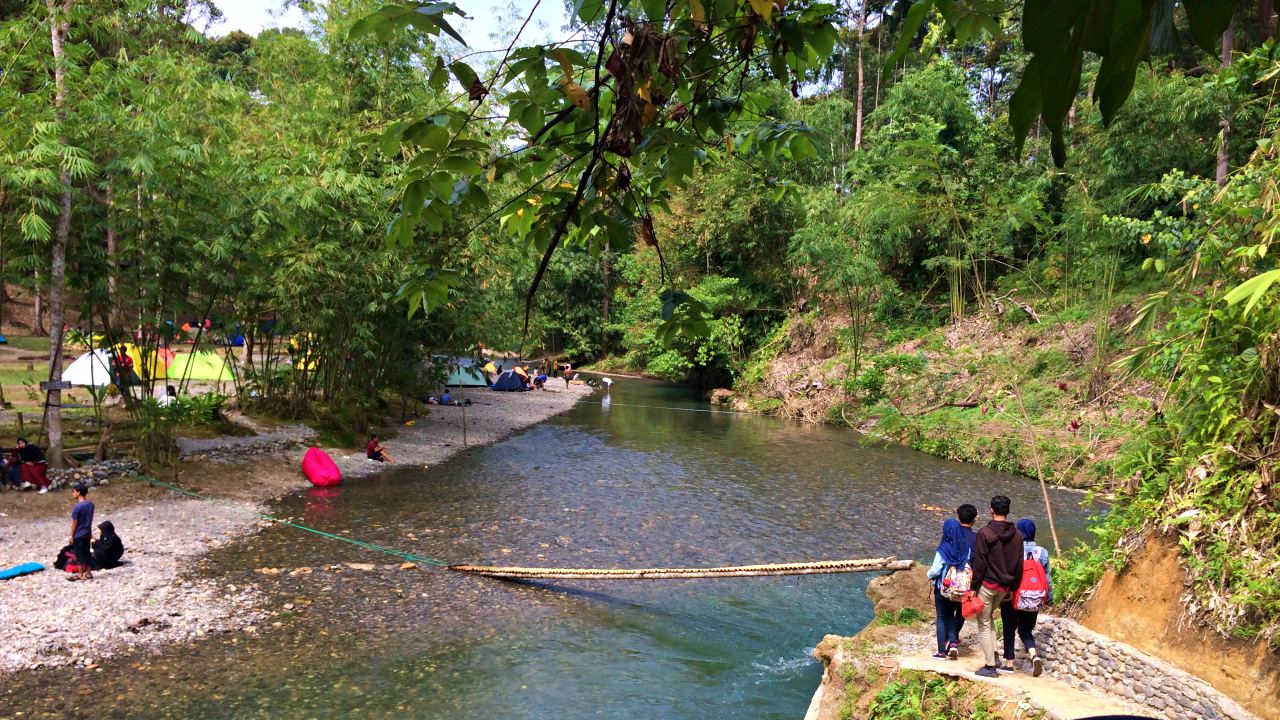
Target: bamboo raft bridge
{"type": "Point", "coordinates": [819, 567]}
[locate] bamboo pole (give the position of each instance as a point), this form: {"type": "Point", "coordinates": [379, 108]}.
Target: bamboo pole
{"type": "Point", "coordinates": [1035, 456]}
{"type": "Point", "coordinates": [802, 568]}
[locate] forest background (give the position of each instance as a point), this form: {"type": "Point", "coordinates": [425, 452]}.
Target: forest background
{"type": "Point", "coordinates": [848, 213]}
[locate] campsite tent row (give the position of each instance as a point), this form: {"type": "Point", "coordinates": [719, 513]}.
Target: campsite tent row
{"type": "Point", "coordinates": [93, 369]}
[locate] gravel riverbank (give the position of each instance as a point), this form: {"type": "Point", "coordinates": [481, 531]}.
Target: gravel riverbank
{"type": "Point", "coordinates": [154, 599]}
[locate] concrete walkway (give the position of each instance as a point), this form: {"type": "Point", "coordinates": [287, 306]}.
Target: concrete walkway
{"type": "Point", "coordinates": [1055, 698]}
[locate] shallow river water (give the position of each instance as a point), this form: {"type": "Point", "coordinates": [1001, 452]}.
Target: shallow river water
{"type": "Point", "coordinates": [616, 485]}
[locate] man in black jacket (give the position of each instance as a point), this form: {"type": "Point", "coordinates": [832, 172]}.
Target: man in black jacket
{"type": "Point", "coordinates": [997, 570]}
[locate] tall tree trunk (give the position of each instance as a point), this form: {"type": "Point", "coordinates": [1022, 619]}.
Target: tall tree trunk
{"type": "Point", "coordinates": [37, 309]}
{"type": "Point", "coordinates": [4, 291]}
{"type": "Point", "coordinates": [113, 269]}
{"type": "Point", "coordinates": [862, 27]}
{"type": "Point", "coordinates": [1228, 40]}
{"type": "Point", "coordinates": [1267, 18]}
{"type": "Point", "coordinates": [58, 259]}
{"type": "Point", "coordinates": [604, 323]}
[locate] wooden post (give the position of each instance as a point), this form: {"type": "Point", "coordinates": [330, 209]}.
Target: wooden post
{"type": "Point", "coordinates": [20, 431]}
{"type": "Point", "coordinates": [462, 393]}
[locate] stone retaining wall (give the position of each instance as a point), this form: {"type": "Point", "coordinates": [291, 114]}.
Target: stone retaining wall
{"type": "Point", "coordinates": [1080, 657]}
{"type": "Point", "coordinates": [231, 448]}
{"type": "Point", "coordinates": [93, 473]}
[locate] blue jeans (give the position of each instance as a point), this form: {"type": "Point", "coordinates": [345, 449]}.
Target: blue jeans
{"type": "Point", "coordinates": [950, 621]}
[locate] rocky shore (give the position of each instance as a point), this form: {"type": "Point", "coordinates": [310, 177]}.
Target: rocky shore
{"type": "Point", "coordinates": [156, 598]}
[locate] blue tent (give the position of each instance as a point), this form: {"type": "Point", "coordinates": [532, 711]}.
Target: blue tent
{"type": "Point", "coordinates": [509, 381]}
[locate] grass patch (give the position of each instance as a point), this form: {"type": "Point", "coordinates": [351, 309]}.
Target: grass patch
{"type": "Point", "coordinates": [916, 696]}
{"type": "Point", "coordinates": [29, 342]}
{"type": "Point", "coordinates": [21, 376]}
{"type": "Point", "coordinates": [905, 616]}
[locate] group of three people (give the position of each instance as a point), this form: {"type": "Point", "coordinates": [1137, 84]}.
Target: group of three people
{"type": "Point", "coordinates": [989, 564]}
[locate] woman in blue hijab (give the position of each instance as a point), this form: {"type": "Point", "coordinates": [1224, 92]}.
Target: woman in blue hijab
{"type": "Point", "coordinates": [1023, 622]}
{"type": "Point", "coordinates": [953, 552]}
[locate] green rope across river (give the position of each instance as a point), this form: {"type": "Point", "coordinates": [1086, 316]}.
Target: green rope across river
{"type": "Point", "coordinates": [411, 557]}
{"type": "Point", "coordinates": [530, 573]}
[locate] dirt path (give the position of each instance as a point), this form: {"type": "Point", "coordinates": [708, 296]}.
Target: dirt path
{"type": "Point", "coordinates": [1056, 699]}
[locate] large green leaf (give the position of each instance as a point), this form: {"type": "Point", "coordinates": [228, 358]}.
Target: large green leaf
{"type": "Point", "coordinates": [1208, 19]}
{"type": "Point", "coordinates": [1130, 35]}
{"type": "Point", "coordinates": [1253, 289]}
{"type": "Point", "coordinates": [910, 28]}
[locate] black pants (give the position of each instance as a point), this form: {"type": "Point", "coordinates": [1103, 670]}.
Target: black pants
{"type": "Point", "coordinates": [950, 620]}
{"type": "Point", "coordinates": [1024, 623]}
{"type": "Point", "coordinates": [83, 557]}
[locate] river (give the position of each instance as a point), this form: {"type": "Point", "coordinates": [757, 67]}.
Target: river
{"type": "Point", "coordinates": [649, 479]}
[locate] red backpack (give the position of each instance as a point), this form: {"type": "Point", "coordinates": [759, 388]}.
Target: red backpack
{"type": "Point", "coordinates": [1034, 588]}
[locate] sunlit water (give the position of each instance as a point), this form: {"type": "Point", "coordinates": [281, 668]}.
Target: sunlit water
{"type": "Point", "coordinates": [615, 485]}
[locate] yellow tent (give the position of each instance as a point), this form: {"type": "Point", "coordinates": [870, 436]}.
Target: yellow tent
{"type": "Point", "coordinates": [148, 364]}
{"type": "Point", "coordinates": [200, 365]}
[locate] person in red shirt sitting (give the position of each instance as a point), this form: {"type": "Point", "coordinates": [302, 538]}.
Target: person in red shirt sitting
{"type": "Point", "coordinates": [375, 451]}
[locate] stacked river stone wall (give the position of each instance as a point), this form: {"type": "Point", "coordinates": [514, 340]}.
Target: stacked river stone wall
{"type": "Point", "coordinates": [1078, 656]}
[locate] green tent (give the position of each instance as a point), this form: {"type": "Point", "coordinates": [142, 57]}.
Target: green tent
{"type": "Point", "coordinates": [469, 376]}
{"type": "Point", "coordinates": [200, 365]}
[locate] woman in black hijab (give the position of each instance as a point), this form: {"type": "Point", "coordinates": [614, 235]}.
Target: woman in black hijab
{"type": "Point", "coordinates": [107, 549]}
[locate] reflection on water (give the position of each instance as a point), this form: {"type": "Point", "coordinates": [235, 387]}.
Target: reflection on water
{"type": "Point", "coordinates": [621, 481]}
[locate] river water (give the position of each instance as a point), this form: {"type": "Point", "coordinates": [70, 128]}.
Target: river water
{"type": "Point", "coordinates": [648, 479]}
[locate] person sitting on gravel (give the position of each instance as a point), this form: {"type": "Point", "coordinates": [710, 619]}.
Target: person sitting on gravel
{"type": "Point", "coordinates": [375, 451]}
{"type": "Point", "coordinates": [446, 398]}
{"type": "Point", "coordinates": [11, 472]}
{"type": "Point", "coordinates": [35, 470]}
{"type": "Point", "coordinates": [82, 532]}
{"type": "Point", "coordinates": [169, 397]}
{"type": "Point", "coordinates": [108, 548]}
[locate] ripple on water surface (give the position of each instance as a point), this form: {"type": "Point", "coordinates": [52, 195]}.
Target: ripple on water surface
{"type": "Point", "coordinates": [598, 487]}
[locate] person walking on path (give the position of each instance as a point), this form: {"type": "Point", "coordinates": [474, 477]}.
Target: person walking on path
{"type": "Point", "coordinates": [967, 515]}
{"type": "Point", "coordinates": [1023, 622]}
{"type": "Point", "coordinates": [950, 562]}
{"type": "Point", "coordinates": [82, 532]}
{"type": "Point", "coordinates": [997, 570]}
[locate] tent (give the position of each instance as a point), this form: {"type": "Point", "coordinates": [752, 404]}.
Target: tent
{"type": "Point", "coordinates": [509, 381]}
{"type": "Point", "coordinates": [156, 362]}
{"type": "Point", "coordinates": [92, 369]}
{"type": "Point", "coordinates": [200, 365]}
{"type": "Point", "coordinates": [462, 371]}
{"type": "Point", "coordinates": [469, 376]}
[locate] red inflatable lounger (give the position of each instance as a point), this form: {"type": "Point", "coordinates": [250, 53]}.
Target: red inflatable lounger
{"type": "Point", "coordinates": [320, 468]}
